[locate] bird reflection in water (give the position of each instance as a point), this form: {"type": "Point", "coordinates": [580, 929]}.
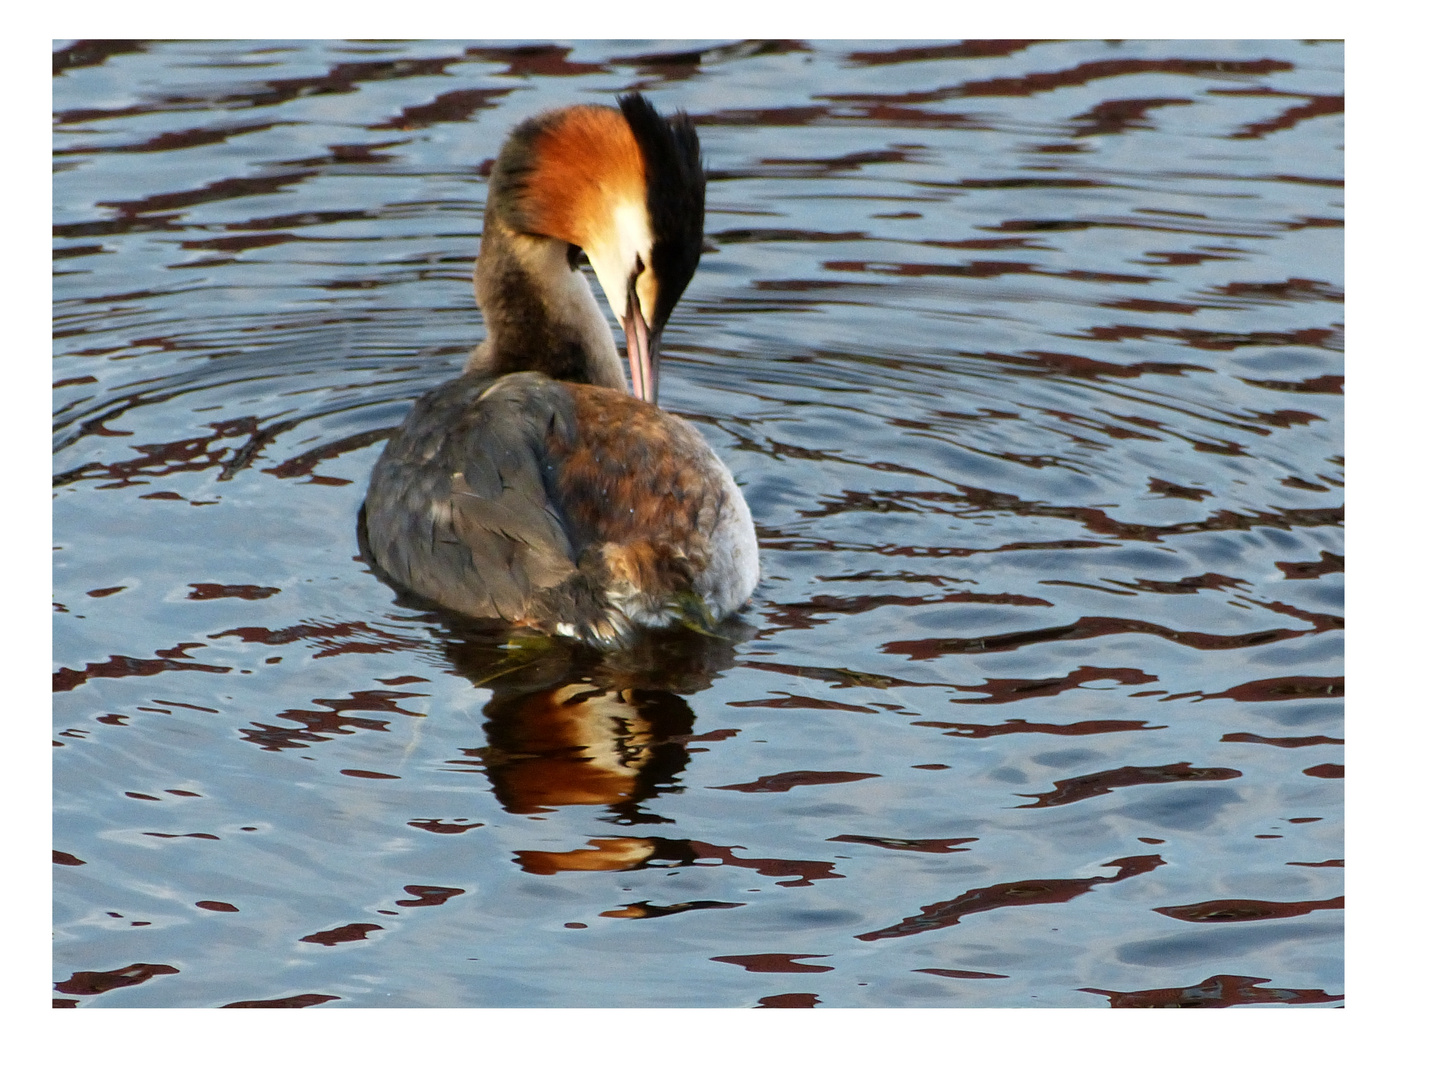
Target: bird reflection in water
{"type": "Point", "coordinates": [569, 726]}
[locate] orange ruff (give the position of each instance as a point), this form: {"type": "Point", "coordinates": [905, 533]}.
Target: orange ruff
{"type": "Point", "coordinates": [586, 163]}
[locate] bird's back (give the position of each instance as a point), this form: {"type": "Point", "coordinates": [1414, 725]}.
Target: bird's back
{"type": "Point", "coordinates": [571, 508]}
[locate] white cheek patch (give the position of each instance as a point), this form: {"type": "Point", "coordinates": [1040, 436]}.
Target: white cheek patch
{"type": "Point", "coordinates": [613, 252]}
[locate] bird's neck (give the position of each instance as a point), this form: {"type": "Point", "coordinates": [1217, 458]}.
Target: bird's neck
{"type": "Point", "coordinates": [540, 314]}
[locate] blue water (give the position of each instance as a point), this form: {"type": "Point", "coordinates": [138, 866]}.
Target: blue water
{"type": "Point", "coordinates": [1028, 359]}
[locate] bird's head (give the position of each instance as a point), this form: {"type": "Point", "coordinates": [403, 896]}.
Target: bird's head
{"type": "Point", "coordinates": [626, 187]}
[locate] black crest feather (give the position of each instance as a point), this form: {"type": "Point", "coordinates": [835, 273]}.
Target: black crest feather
{"type": "Point", "coordinates": [674, 196]}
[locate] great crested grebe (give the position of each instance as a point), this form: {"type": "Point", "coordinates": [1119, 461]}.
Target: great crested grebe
{"type": "Point", "coordinates": [533, 489]}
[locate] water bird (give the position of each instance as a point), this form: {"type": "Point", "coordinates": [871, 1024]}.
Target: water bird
{"type": "Point", "coordinates": [534, 489]}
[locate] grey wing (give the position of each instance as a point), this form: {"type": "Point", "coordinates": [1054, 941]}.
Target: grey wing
{"type": "Point", "coordinates": [458, 510]}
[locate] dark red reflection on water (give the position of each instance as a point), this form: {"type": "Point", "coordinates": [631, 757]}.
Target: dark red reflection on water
{"type": "Point", "coordinates": [1007, 691]}
{"type": "Point", "coordinates": [452, 107]}
{"type": "Point", "coordinates": [967, 499]}
{"type": "Point", "coordinates": [64, 858]}
{"type": "Point", "coordinates": [1216, 992]}
{"type": "Point", "coordinates": [782, 116]}
{"type": "Point", "coordinates": [646, 910]}
{"type": "Point", "coordinates": [215, 905]}
{"type": "Point", "coordinates": [181, 705]}
{"type": "Point", "coordinates": [1010, 894]}
{"type": "Point", "coordinates": [841, 163]}
{"type": "Point", "coordinates": [1328, 771]}
{"type": "Point", "coordinates": [1102, 783]}
{"type": "Point", "coordinates": [1086, 367]}
{"type": "Point", "coordinates": [776, 963]}
{"type": "Point", "coordinates": [1166, 489]}
{"type": "Point", "coordinates": [338, 638]}
{"type": "Point", "coordinates": [799, 701]}
{"type": "Point", "coordinates": [122, 667]}
{"type": "Point", "coordinates": [938, 846]}
{"type": "Point", "coordinates": [960, 50]}
{"type": "Point", "coordinates": [1292, 290]}
{"type": "Point", "coordinates": [86, 983]}
{"type": "Point", "coordinates": [687, 63]}
{"type": "Point", "coordinates": [1186, 586]}
{"type": "Point", "coordinates": [959, 973]}
{"type": "Point", "coordinates": [1026, 727]}
{"type": "Point", "coordinates": [1319, 384]}
{"type": "Point", "coordinates": [341, 934]}
{"type": "Point", "coordinates": [526, 60]}
{"type": "Point", "coordinates": [1316, 105]}
{"type": "Point", "coordinates": [297, 1001]}
{"type": "Point", "coordinates": [428, 895]}
{"type": "Point", "coordinates": [805, 614]}
{"type": "Point", "coordinates": [1247, 910]}
{"type": "Point", "coordinates": [1089, 626]}
{"type": "Point", "coordinates": [1213, 340]}
{"type": "Point", "coordinates": [798, 778]}
{"type": "Point", "coordinates": [1285, 688]}
{"type": "Point", "coordinates": [1117, 117]}
{"type": "Point", "coordinates": [318, 726]}
{"type": "Point", "coordinates": [239, 243]}
{"type": "Point", "coordinates": [444, 828]}
{"type": "Point", "coordinates": [210, 591]}
{"type": "Point", "coordinates": [189, 455]}
{"type": "Point", "coordinates": [837, 677]}
{"type": "Point", "coordinates": [805, 871]}
{"type": "Point", "coordinates": [90, 53]}
{"type": "Point", "coordinates": [717, 735]}
{"type": "Point", "coordinates": [981, 268]}
{"type": "Point", "coordinates": [766, 236]}
{"type": "Point", "coordinates": [1080, 74]}
{"type": "Point", "coordinates": [304, 464]}
{"type": "Point", "coordinates": [789, 1001]}
{"type": "Point", "coordinates": [1290, 741]}
{"type": "Point", "coordinates": [342, 78]}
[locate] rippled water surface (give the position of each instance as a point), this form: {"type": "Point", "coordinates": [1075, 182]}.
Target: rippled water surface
{"type": "Point", "coordinates": [1027, 357]}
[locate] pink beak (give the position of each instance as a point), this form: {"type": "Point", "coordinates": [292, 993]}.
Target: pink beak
{"type": "Point", "coordinates": [644, 377]}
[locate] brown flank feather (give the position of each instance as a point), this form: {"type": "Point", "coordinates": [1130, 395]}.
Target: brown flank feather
{"type": "Point", "coordinates": [641, 489]}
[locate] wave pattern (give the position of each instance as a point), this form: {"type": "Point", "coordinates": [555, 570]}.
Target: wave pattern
{"type": "Point", "coordinates": [1028, 355]}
